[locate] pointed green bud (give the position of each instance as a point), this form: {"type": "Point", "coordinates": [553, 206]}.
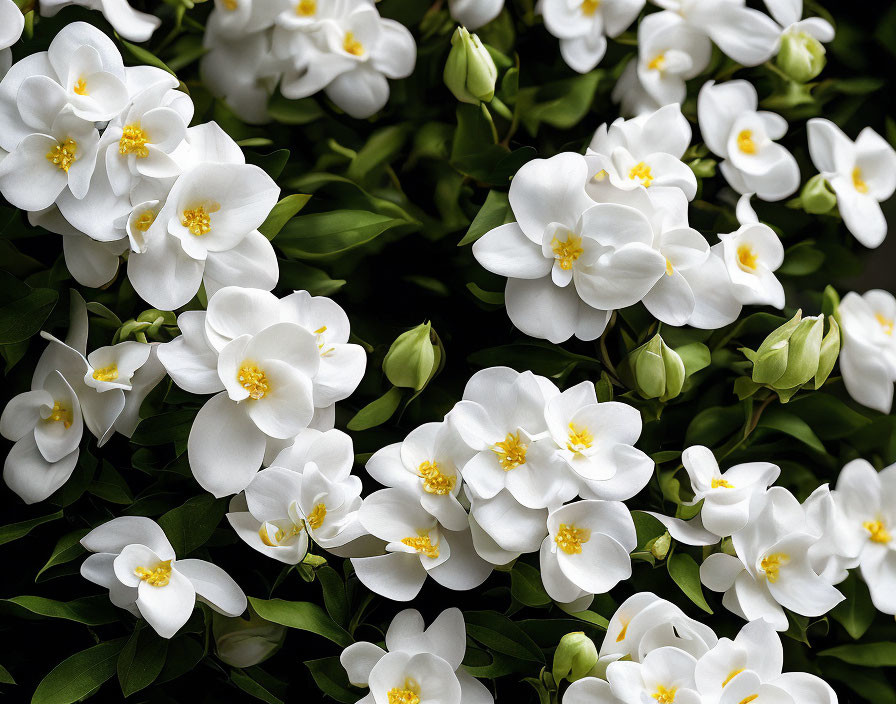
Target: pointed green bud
{"type": "Point", "coordinates": [830, 350]}
{"type": "Point", "coordinates": [803, 355]}
{"type": "Point", "coordinates": [470, 72]}
{"type": "Point", "coordinates": [575, 656]}
{"type": "Point", "coordinates": [817, 197]}
{"type": "Point", "coordinates": [244, 642]}
{"type": "Point", "coordinates": [770, 360]}
{"type": "Point", "coordinates": [412, 359]}
{"type": "Point", "coordinates": [657, 370]}
{"type": "Point", "coordinates": [801, 56]}
{"type": "Point", "coordinates": [659, 548]}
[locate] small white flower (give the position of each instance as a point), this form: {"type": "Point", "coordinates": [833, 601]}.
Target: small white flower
{"type": "Point", "coordinates": [590, 690]}
{"type": "Point", "coordinates": [862, 174]}
{"type": "Point", "coordinates": [665, 675]}
{"type": "Point", "coordinates": [131, 24]}
{"type": "Point", "coordinates": [752, 161]}
{"type": "Point", "coordinates": [12, 22]}
{"type": "Point", "coordinates": [788, 14]}
{"type": "Point", "coordinates": [473, 14]}
{"type": "Point", "coordinates": [135, 562]}
{"type": "Point", "coordinates": [868, 353]}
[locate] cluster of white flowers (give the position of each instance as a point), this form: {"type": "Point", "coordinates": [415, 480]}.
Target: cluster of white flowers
{"type": "Point", "coordinates": [70, 389]}
{"type": "Point", "coordinates": [113, 167]}
{"type": "Point", "coordinates": [783, 554]}
{"type": "Point", "coordinates": [342, 47]}
{"type": "Point", "coordinates": [654, 652]}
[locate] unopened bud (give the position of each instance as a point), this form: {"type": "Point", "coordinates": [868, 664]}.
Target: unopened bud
{"type": "Point", "coordinates": [470, 72]}
{"type": "Point", "coordinates": [575, 656]}
{"type": "Point", "coordinates": [659, 547]}
{"type": "Point", "coordinates": [801, 56]}
{"type": "Point", "coordinates": [657, 370]}
{"type": "Point", "coordinates": [413, 358]}
{"type": "Point", "coordinates": [246, 642]}
{"type": "Point", "coordinates": [770, 360]}
{"type": "Point", "coordinates": [817, 197]}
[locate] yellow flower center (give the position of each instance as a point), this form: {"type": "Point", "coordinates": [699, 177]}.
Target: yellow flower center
{"type": "Point", "coordinates": [747, 259]}
{"type": "Point", "coordinates": [747, 700]}
{"type": "Point", "coordinates": [321, 344]}
{"type": "Point", "coordinates": [723, 483]}
{"type": "Point", "coordinates": [772, 565]}
{"type": "Point", "coordinates": [570, 539]}
{"type": "Point", "coordinates": [109, 373]}
{"type": "Point", "coordinates": [231, 4]}
{"type": "Point", "coordinates": [579, 438]}
{"type": "Point", "coordinates": [511, 452]}
{"type": "Point", "coordinates": [642, 172]}
{"type": "Point", "coordinates": [133, 141]}
{"type": "Point", "coordinates": [858, 182]}
{"type": "Point", "coordinates": [158, 576]}
{"type": "Point", "coordinates": [589, 7]}
{"type": "Point", "coordinates": [885, 322]}
{"type": "Point", "coordinates": [878, 531]}
{"type": "Point", "coordinates": [317, 516]}
{"type": "Point", "coordinates": [621, 636]}
{"type": "Point", "coordinates": [306, 8]}
{"type": "Point", "coordinates": [352, 45]}
{"type": "Point", "coordinates": [80, 87]}
{"type": "Point", "coordinates": [434, 481]}
{"type": "Point", "coordinates": [731, 676]}
{"type": "Point", "coordinates": [253, 380]}
{"type": "Point", "coordinates": [60, 414]}
{"type": "Point", "coordinates": [145, 220]}
{"type": "Point", "coordinates": [408, 694]}
{"type": "Point", "coordinates": [423, 545]}
{"type": "Point", "coordinates": [657, 63]}
{"type": "Point", "coordinates": [669, 268]}
{"type": "Point", "coordinates": [567, 251]}
{"type": "Point", "coordinates": [745, 142]}
{"type": "Point", "coordinates": [197, 220]}
{"type": "Point", "coordinates": [63, 154]}
{"type": "Point", "coordinates": [663, 695]}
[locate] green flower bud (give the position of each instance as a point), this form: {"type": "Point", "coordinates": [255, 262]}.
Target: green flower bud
{"type": "Point", "coordinates": [413, 359]}
{"type": "Point", "coordinates": [830, 350]}
{"type": "Point", "coordinates": [657, 370]}
{"type": "Point", "coordinates": [659, 547]}
{"type": "Point", "coordinates": [803, 355]}
{"type": "Point", "coordinates": [703, 168]}
{"type": "Point", "coordinates": [575, 656]}
{"type": "Point", "coordinates": [817, 197]}
{"type": "Point", "coordinates": [770, 360]}
{"type": "Point", "coordinates": [470, 72]}
{"type": "Point", "coordinates": [801, 56]}
{"type": "Point", "coordinates": [246, 642]}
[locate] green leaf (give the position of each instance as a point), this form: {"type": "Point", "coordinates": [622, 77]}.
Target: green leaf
{"type": "Point", "coordinates": [145, 57]}
{"type": "Point", "coordinates": [498, 633]}
{"type": "Point", "coordinates": [792, 425]}
{"type": "Point", "coordinates": [712, 425]}
{"type": "Point", "coordinates": [493, 213]}
{"type": "Point", "coordinates": [111, 486]}
{"type": "Point", "coordinates": [141, 660]}
{"type": "Point", "coordinates": [14, 531]}
{"type": "Point", "coordinates": [560, 104]}
{"type": "Point", "coordinates": [526, 586]}
{"type": "Point", "coordinates": [23, 310]}
{"type": "Point", "coordinates": [298, 277]}
{"type": "Point", "coordinates": [294, 112]}
{"type": "Point", "coordinates": [864, 654]}
{"type": "Point", "coordinates": [302, 615]}
{"type": "Point", "coordinates": [695, 357]}
{"type": "Point", "coordinates": [684, 571]}
{"type": "Point", "coordinates": [802, 259]}
{"type": "Point", "coordinates": [335, 598]}
{"type": "Point", "coordinates": [330, 677]}
{"type": "Point", "coordinates": [323, 234]}
{"type": "Point", "coordinates": [5, 677]}
{"type": "Point", "coordinates": [79, 675]}
{"type": "Point", "coordinates": [377, 412]}
{"type": "Point", "coordinates": [281, 213]}
{"type": "Point", "coordinates": [190, 526]}
{"type": "Point", "coordinates": [587, 615]}
{"type": "Point", "coordinates": [494, 298]}
{"type": "Point", "coordinates": [67, 548]}
{"type": "Point", "coordinates": [91, 610]}
{"type": "Point", "coordinates": [173, 426]}
{"type": "Point", "coordinates": [381, 148]}
{"type": "Point", "coordinates": [184, 653]}
{"type": "Point", "coordinates": [260, 685]}
{"type": "Point", "coordinates": [856, 612]}
{"type": "Point", "coordinates": [273, 163]}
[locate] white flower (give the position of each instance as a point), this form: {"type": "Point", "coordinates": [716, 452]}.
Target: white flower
{"type": "Point", "coordinates": [417, 665]}
{"type": "Point", "coordinates": [568, 261]}
{"type": "Point", "coordinates": [867, 500]}
{"type": "Point", "coordinates": [837, 550]}
{"type": "Point", "coordinates": [131, 24]}
{"type": "Point", "coordinates": [788, 14]}
{"type": "Point", "coordinates": [587, 549]}
{"type": "Point", "coordinates": [646, 151]}
{"type": "Point", "coordinates": [502, 528]}
{"type": "Point", "coordinates": [272, 363]}
{"type": "Point", "coordinates": [752, 162]}
{"type": "Point", "coordinates": [137, 564]}
{"type": "Point", "coordinates": [427, 463]}
{"type": "Point", "coordinates": [590, 690]}
{"type": "Point", "coordinates": [416, 546]}
{"type": "Point", "coordinates": [665, 675]}
{"type": "Point", "coordinates": [12, 22]}
{"type": "Point", "coordinates": [596, 440]}
{"type": "Point", "coordinates": [868, 352]}
{"type": "Point", "coordinates": [582, 26]}
{"type": "Point", "coordinates": [473, 14]}
{"type": "Point", "coordinates": [773, 568]}
{"type": "Point", "coordinates": [862, 174]}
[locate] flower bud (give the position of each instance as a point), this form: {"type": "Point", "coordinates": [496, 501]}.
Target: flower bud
{"type": "Point", "coordinates": [470, 72]}
{"type": "Point", "coordinates": [659, 547]}
{"type": "Point", "coordinates": [657, 370]}
{"type": "Point", "coordinates": [803, 356]}
{"type": "Point", "coordinates": [817, 197]}
{"type": "Point", "coordinates": [801, 56]}
{"type": "Point", "coordinates": [770, 360]}
{"type": "Point", "coordinates": [830, 350]}
{"type": "Point", "coordinates": [576, 654]}
{"type": "Point", "coordinates": [245, 642]}
{"type": "Point", "coordinates": [413, 359]}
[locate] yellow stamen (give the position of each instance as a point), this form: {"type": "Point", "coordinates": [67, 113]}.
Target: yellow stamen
{"type": "Point", "coordinates": [878, 531]}
{"type": "Point", "coordinates": [317, 516]}
{"type": "Point", "coordinates": [642, 172]}
{"type": "Point", "coordinates": [567, 251]}
{"type": "Point", "coordinates": [133, 141]}
{"type": "Point", "coordinates": [731, 676]}
{"type": "Point", "coordinates": [145, 220]}
{"type": "Point", "coordinates": [352, 45]}
{"type": "Point", "coordinates": [663, 695]}
{"type": "Point", "coordinates": [231, 4]}
{"type": "Point", "coordinates": [281, 534]}
{"type": "Point", "coordinates": [63, 154]}
{"type": "Point", "coordinates": [657, 63]}
{"type": "Point", "coordinates": [511, 452]}
{"type": "Point", "coordinates": [253, 380]}
{"type": "Point", "coordinates": [60, 414]}
{"type": "Point", "coordinates": [423, 545]}
{"type": "Point", "coordinates": [409, 694]}
{"type": "Point", "coordinates": [570, 539]}
{"type": "Point", "coordinates": [716, 483]}
{"type": "Point", "coordinates": [579, 438]}
{"type": "Point", "coordinates": [306, 8]}
{"type": "Point", "coordinates": [197, 220]}
{"type": "Point", "coordinates": [434, 481]}
{"type": "Point", "coordinates": [109, 373]}
{"type": "Point", "coordinates": [747, 700]}
{"type": "Point", "coordinates": [321, 344]}
{"type": "Point", "coordinates": [159, 576]}
{"type": "Point", "coordinates": [600, 175]}
{"type": "Point", "coordinates": [80, 87]}
{"type": "Point", "coordinates": [669, 268]}
{"type": "Point", "coordinates": [745, 142]}
{"type": "Point", "coordinates": [772, 565]}
{"type": "Point", "coordinates": [621, 636]}
{"type": "Point", "coordinates": [747, 259]}
{"type": "Point", "coordinates": [589, 7]}
{"type": "Point", "coordinates": [858, 182]}
{"type": "Point", "coordinates": [885, 323]}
